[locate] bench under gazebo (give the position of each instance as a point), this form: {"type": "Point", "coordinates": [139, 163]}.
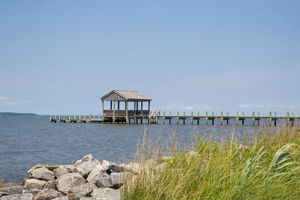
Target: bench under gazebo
{"type": "Point", "coordinates": [125, 106]}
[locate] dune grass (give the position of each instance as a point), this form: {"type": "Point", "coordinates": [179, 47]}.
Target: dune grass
{"type": "Point", "coordinates": [266, 166]}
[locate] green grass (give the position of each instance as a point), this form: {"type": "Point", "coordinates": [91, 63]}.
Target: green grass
{"type": "Point", "coordinates": [267, 166]}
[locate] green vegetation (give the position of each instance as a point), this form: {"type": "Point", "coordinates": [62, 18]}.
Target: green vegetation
{"type": "Point", "coordinates": [267, 166]}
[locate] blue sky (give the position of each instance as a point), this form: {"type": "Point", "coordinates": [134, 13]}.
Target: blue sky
{"type": "Point", "coordinates": [59, 57]}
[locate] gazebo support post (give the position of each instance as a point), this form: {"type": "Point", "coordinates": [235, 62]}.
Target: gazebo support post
{"type": "Point", "coordinates": [103, 110]}
{"type": "Point", "coordinates": [141, 107]}
{"type": "Point", "coordinates": [126, 111]}
{"type": "Point", "coordinates": [114, 112]}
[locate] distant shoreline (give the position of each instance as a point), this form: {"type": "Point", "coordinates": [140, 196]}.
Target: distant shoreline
{"type": "Point", "coordinates": [14, 113]}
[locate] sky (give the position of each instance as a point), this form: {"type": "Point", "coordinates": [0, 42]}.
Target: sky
{"type": "Point", "coordinates": [60, 57]}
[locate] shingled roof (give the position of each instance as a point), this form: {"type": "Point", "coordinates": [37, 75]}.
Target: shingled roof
{"type": "Point", "coordinates": [123, 95]}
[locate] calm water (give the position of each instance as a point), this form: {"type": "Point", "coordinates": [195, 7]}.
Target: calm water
{"type": "Point", "coordinates": [29, 140]}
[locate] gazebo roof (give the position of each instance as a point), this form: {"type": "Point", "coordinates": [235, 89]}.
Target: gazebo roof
{"type": "Point", "coordinates": [123, 95]}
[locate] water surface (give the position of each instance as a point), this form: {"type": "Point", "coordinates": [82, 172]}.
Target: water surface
{"type": "Point", "coordinates": [29, 140]}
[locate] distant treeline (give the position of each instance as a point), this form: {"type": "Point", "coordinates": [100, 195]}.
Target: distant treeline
{"type": "Point", "coordinates": [13, 113]}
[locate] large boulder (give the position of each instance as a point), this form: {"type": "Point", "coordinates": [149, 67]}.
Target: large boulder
{"type": "Point", "coordinates": [34, 184]}
{"type": "Point", "coordinates": [42, 173]}
{"type": "Point", "coordinates": [98, 172]}
{"type": "Point", "coordinates": [117, 179]}
{"type": "Point", "coordinates": [62, 170]}
{"type": "Point", "coordinates": [104, 182]}
{"type": "Point", "coordinates": [11, 190]}
{"type": "Point", "coordinates": [83, 190]}
{"type": "Point", "coordinates": [46, 194]}
{"type": "Point", "coordinates": [68, 181]}
{"type": "Point", "coordinates": [113, 167]}
{"type": "Point", "coordinates": [24, 196]}
{"type": "Point", "coordinates": [134, 168]}
{"type": "Point", "coordinates": [85, 165]}
{"type": "Point", "coordinates": [50, 185]}
{"type": "Point", "coordinates": [106, 193]}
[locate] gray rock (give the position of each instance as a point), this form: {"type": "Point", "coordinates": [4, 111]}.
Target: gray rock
{"type": "Point", "coordinates": [50, 185]}
{"type": "Point", "coordinates": [85, 165]}
{"type": "Point", "coordinates": [34, 184]}
{"type": "Point", "coordinates": [11, 190]}
{"type": "Point", "coordinates": [70, 168]}
{"type": "Point", "coordinates": [132, 167]}
{"type": "Point", "coordinates": [104, 182]}
{"type": "Point", "coordinates": [113, 167]}
{"type": "Point", "coordinates": [106, 194]}
{"type": "Point", "coordinates": [117, 179]}
{"type": "Point", "coordinates": [62, 170]}
{"type": "Point", "coordinates": [32, 191]}
{"type": "Point", "coordinates": [24, 196]}
{"type": "Point", "coordinates": [98, 172]}
{"type": "Point", "coordinates": [61, 198]}
{"type": "Point", "coordinates": [46, 194]}
{"type": "Point", "coordinates": [105, 165]}
{"type": "Point", "coordinates": [67, 181]}
{"type": "Point", "coordinates": [42, 173]}
{"type": "Point", "coordinates": [83, 190]}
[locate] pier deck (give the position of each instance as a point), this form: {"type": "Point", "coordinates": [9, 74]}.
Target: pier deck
{"type": "Point", "coordinates": [180, 119]}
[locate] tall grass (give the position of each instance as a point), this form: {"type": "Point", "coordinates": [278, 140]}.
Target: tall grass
{"type": "Point", "coordinates": [266, 166]}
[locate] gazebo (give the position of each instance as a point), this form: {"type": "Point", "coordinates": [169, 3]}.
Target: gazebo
{"type": "Point", "coordinates": [124, 106]}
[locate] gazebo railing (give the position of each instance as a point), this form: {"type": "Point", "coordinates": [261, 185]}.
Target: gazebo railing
{"type": "Point", "coordinates": [122, 113]}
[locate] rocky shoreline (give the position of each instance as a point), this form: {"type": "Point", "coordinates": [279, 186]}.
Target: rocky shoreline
{"type": "Point", "coordinates": [86, 179]}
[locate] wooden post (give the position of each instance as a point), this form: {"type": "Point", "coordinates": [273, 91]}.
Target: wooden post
{"type": "Point", "coordinates": [110, 105]}
{"type": "Point", "coordinates": [114, 111]}
{"type": "Point", "coordinates": [141, 107]}
{"type": "Point", "coordinates": [126, 111]}
{"type": "Point", "coordinates": [118, 105]}
{"type": "Point", "coordinates": [103, 110]}
{"type": "Point", "coordinates": [222, 119]}
{"type": "Point", "coordinates": [149, 106]}
{"type": "Point", "coordinates": [134, 111]}
{"type": "Point", "coordinates": [184, 118]}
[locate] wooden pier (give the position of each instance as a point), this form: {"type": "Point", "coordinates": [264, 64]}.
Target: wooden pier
{"type": "Point", "coordinates": [181, 118]}
{"type": "Point", "coordinates": [128, 107]}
